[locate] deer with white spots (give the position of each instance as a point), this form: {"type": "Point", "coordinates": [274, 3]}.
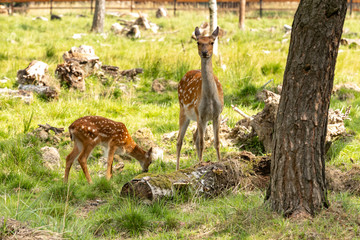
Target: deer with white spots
{"type": "Point", "coordinates": [90, 131]}
{"type": "Point", "coordinates": [201, 97]}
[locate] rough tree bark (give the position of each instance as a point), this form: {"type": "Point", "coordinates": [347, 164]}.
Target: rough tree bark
{"type": "Point", "coordinates": [213, 23]}
{"type": "Point", "coordinates": [99, 17]}
{"type": "Point", "coordinates": [297, 186]}
{"type": "Point", "coordinates": [242, 14]}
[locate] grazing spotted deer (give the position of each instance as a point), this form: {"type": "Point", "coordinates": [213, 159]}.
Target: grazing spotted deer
{"type": "Point", "coordinates": [201, 97]}
{"type": "Point", "coordinates": [87, 132]}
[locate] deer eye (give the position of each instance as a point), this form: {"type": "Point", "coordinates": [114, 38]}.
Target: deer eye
{"type": "Point", "coordinates": [212, 43]}
{"type": "Point", "coordinates": [198, 43]}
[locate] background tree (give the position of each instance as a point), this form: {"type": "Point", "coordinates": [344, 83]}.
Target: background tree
{"type": "Point", "coordinates": [297, 183]}
{"type": "Point", "coordinates": [213, 23]}
{"type": "Point", "coordinates": [242, 6]}
{"type": "Point", "coordinates": [99, 17]}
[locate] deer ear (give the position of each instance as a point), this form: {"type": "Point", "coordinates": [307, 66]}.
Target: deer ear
{"type": "Point", "coordinates": [197, 32]}
{"type": "Point", "coordinates": [215, 33]}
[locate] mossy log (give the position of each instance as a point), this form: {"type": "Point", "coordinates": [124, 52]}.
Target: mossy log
{"type": "Point", "coordinates": [209, 179]}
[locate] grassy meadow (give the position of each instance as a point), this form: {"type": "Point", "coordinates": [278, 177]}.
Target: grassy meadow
{"type": "Point", "coordinates": [33, 194]}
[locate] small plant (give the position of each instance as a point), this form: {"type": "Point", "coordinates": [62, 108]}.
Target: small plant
{"type": "Point", "coordinates": [158, 209]}
{"type": "Point", "coordinates": [27, 123]}
{"type": "Point", "coordinates": [102, 186]}
{"type": "Point", "coordinates": [171, 223]}
{"type": "Point", "coordinates": [271, 68]}
{"type": "Point", "coordinates": [21, 182]}
{"type": "Point", "coordinates": [50, 51]}
{"type": "Point", "coordinates": [254, 145]}
{"type": "Point", "coordinates": [134, 221]}
{"type": "Point", "coordinates": [247, 95]}
{"type": "Point", "coordinates": [60, 193]}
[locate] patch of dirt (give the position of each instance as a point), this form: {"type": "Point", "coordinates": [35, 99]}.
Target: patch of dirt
{"type": "Point", "coordinates": [13, 229]}
{"type": "Point", "coordinates": [89, 206]}
{"type": "Point", "coordinates": [145, 138]}
{"type": "Point", "coordinates": [339, 181]}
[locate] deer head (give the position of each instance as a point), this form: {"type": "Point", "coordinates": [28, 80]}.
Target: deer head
{"type": "Point", "coordinates": [148, 160]}
{"type": "Point", "coordinates": [205, 44]}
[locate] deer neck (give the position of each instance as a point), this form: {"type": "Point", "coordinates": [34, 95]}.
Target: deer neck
{"type": "Point", "coordinates": [208, 81]}
{"type": "Point", "coordinates": [138, 153]}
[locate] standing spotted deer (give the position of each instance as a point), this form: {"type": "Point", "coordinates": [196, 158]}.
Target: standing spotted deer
{"type": "Point", "coordinates": [90, 131]}
{"type": "Point", "coordinates": [201, 98]}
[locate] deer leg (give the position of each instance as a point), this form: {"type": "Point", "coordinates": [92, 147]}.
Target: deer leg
{"type": "Point", "coordinates": [201, 127]}
{"type": "Point", "coordinates": [83, 161]}
{"type": "Point", "coordinates": [184, 123]}
{"type": "Point", "coordinates": [216, 125]}
{"type": "Point", "coordinates": [197, 141]}
{"type": "Point", "coordinates": [70, 160]}
{"type": "Point", "coordinates": [110, 160]}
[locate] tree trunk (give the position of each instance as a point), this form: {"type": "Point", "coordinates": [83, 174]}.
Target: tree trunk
{"type": "Point", "coordinates": [99, 17]}
{"type": "Point", "coordinates": [297, 186]}
{"type": "Point", "coordinates": [213, 23]}
{"type": "Point", "coordinates": [242, 14]}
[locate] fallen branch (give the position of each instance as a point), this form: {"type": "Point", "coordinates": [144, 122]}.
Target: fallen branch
{"type": "Point", "coordinates": [241, 113]}
{"type": "Point", "coordinates": [115, 72]}
{"type": "Point", "coordinates": [48, 127]}
{"type": "Point", "coordinates": [271, 80]}
{"type": "Point", "coordinates": [131, 73]}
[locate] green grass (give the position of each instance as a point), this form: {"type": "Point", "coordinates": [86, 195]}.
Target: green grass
{"type": "Point", "coordinates": [29, 192]}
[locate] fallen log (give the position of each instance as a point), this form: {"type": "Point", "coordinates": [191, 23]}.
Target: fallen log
{"type": "Point", "coordinates": [348, 41]}
{"type": "Point", "coordinates": [116, 72]}
{"type": "Point", "coordinates": [71, 75]}
{"type": "Point", "coordinates": [47, 127]}
{"type": "Point", "coordinates": [36, 73]}
{"type": "Point", "coordinates": [46, 91]}
{"type": "Point", "coordinates": [262, 124]}
{"type": "Point", "coordinates": [26, 96]}
{"type": "Point", "coordinates": [131, 73]}
{"type": "Point", "coordinates": [161, 12]}
{"type": "Point", "coordinates": [131, 28]}
{"type": "Point", "coordinates": [239, 170]}
{"type": "Point", "coordinates": [208, 179]}
{"type": "Point", "coordinates": [133, 32]}
{"type": "Point", "coordinates": [85, 56]}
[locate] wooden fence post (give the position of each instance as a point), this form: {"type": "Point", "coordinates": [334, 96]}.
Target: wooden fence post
{"type": "Point", "coordinates": [131, 5]}
{"type": "Point", "coordinates": [351, 6]}
{"type": "Point", "coordinates": [12, 7]}
{"type": "Point", "coordinates": [91, 7]}
{"type": "Point", "coordinates": [242, 14]}
{"type": "Point", "coordinates": [261, 8]}
{"type": "Point", "coordinates": [51, 7]}
{"type": "Point", "coordinates": [174, 7]}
